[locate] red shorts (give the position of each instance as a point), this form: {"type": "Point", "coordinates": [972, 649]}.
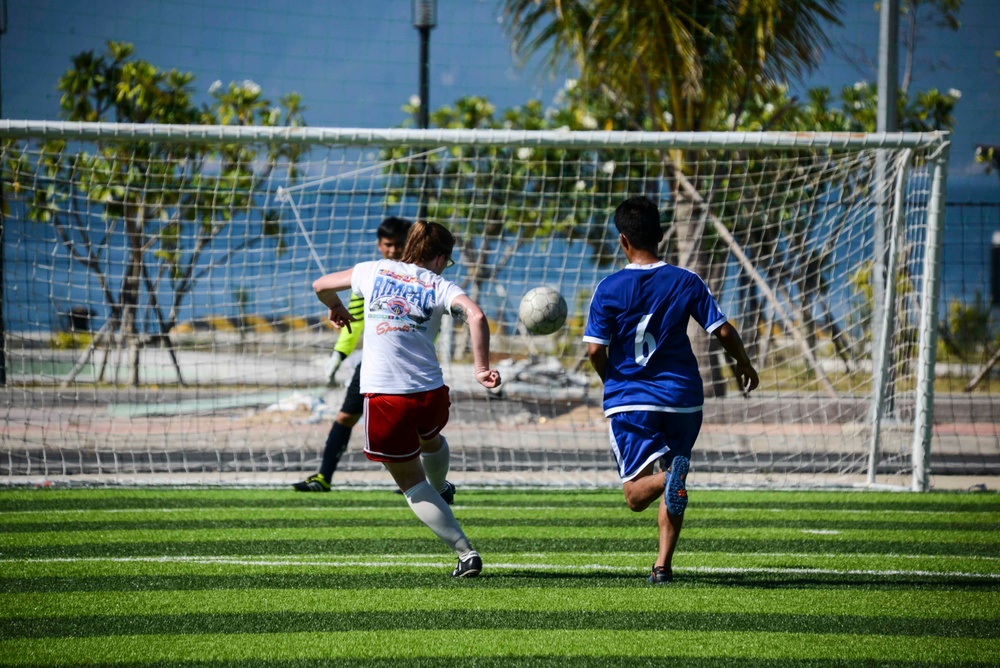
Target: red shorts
{"type": "Point", "coordinates": [395, 423]}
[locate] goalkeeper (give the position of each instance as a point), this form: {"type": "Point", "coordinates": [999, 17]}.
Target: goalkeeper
{"type": "Point", "coordinates": [391, 241]}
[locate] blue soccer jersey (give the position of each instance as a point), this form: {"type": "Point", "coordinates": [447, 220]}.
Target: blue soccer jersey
{"type": "Point", "coordinates": [641, 314]}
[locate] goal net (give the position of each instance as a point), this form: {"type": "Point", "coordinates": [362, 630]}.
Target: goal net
{"type": "Point", "coordinates": [159, 324]}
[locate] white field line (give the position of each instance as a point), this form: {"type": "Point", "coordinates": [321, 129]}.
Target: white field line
{"type": "Point", "coordinates": [624, 555]}
{"type": "Point", "coordinates": [407, 558]}
{"type": "Point", "coordinates": [198, 509]}
{"type": "Point", "coordinates": [350, 563]}
{"type": "Point", "coordinates": [341, 509]}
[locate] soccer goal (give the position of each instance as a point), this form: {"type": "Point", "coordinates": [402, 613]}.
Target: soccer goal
{"type": "Point", "coordinates": [159, 325]}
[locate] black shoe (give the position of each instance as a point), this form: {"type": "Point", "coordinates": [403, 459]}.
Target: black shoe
{"type": "Point", "coordinates": [661, 575]}
{"type": "Point", "coordinates": [468, 567]}
{"type": "Point", "coordinates": [316, 483]}
{"type": "Point", "coordinates": [448, 493]}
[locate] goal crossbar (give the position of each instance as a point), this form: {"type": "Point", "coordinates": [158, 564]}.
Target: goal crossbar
{"type": "Point", "coordinates": [11, 129]}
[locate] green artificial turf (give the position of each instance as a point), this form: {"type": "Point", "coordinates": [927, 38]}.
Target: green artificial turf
{"type": "Point", "coordinates": [224, 578]}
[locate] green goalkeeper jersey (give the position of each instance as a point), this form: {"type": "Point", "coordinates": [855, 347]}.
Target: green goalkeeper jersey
{"type": "Point", "coordinates": [348, 340]}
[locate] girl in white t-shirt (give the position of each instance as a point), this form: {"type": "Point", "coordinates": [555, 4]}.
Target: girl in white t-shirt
{"type": "Point", "coordinates": [406, 400]}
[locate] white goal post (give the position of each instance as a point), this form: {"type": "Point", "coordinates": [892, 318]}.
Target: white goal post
{"type": "Point", "coordinates": [159, 325]}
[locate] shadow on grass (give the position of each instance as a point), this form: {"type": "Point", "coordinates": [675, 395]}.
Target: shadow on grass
{"type": "Point", "coordinates": [757, 580]}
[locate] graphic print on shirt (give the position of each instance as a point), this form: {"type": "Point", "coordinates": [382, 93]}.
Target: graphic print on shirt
{"type": "Point", "coordinates": [401, 303]}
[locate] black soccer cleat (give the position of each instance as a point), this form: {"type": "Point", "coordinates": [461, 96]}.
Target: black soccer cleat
{"type": "Point", "coordinates": [661, 575]}
{"type": "Point", "coordinates": [448, 493]}
{"type": "Point", "coordinates": [469, 567]}
{"type": "Point", "coordinates": [316, 483]}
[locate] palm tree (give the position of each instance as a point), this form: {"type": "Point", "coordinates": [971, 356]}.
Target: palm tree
{"type": "Point", "coordinates": [677, 65]}
{"type": "Point", "coordinates": [687, 58]}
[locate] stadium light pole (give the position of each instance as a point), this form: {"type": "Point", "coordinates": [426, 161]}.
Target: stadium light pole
{"type": "Point", "coordinates": [424, 18]}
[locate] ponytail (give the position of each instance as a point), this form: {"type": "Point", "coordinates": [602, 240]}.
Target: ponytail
{"type": "Point", "coordinates": [426, 241]}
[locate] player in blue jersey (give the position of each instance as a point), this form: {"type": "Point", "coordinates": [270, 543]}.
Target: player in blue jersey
{"type": "Point", "coordinates": [637, 342]}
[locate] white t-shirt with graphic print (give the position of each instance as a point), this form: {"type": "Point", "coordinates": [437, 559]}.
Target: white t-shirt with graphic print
{"type": "Point", "coordinates": [403, 308]}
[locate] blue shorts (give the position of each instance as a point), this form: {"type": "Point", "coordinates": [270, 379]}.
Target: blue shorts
{"type": "Point", "coordinates": [639, 438]}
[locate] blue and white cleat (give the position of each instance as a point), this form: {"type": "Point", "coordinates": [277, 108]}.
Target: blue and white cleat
{"type": "Point", "coordinates": [675, 494]}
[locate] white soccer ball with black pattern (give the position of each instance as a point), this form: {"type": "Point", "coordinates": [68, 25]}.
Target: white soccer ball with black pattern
{"type": "Point", "coordinates": [543, 310]}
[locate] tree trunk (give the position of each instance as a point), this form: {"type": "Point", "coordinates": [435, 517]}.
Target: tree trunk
{"type": "Point", "coordinates": [681, 184]}
{"type": "Point", "coordinates": [163, 339]}
{"type": "Point", "coordinates": [689, 220]}
{"type": "Point", "coordinates": [130, 299]}
{"type": "Point", "coordinates": [106, 332]}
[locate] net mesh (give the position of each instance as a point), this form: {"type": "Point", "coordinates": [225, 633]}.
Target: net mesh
{"type": "Point", "coordinates": [160, 325]}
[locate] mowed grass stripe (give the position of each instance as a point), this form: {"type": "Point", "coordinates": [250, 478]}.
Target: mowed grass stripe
{"type": "Point", "coordinates": [552, 662]}
{"type": "Point", "coordinates": [579, 515]}
{"type": "Point", "coordinates": [437, 578]}
{"type": "Point", "coordinates": [555, 531]}
{"type": "Point", "coordinates": [116, 499]}
{"type": "Point", "coordinates": [83, 567]}
{"type": "Point", "coordinates": [428, 544]}
{"type": "Point", "coordinates": [696, 522]}
{"type": "Point", "coordinates": [406, 527]}
{"type": "Point", "coordinates": [514, 619]}
{"type": "Point", "coordinates": [471, 643]}
{"type": "Point", "coordinates": [324, 506]}
{"type": "Point", "coordinates": [167, 499]}
{"type": "Point", "coordinates": [926, 605]}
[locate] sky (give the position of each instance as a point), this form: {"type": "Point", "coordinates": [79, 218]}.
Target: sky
{"type": "Point", "coordinates": [356, 63]}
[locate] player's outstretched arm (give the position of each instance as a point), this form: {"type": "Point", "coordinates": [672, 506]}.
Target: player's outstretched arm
{"type": "Point", "coordinates": [731, 341]}
{"type": "Point", "coordinates": [326, 289]}
{"type": "Point", "coordinates": [465, 309]}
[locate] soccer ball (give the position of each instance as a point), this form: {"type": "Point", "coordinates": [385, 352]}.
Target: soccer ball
{"type": "Point", "coordinates": [542, 310]}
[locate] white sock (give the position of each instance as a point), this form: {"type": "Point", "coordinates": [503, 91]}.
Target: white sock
{"type": "Point", "coordinates": [431, 509]}
{"type": "Point", "coordinates": [436, 465]}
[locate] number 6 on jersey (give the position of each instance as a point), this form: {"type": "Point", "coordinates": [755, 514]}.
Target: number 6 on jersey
{"type": "Point", "coordinates": [645, 342]}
